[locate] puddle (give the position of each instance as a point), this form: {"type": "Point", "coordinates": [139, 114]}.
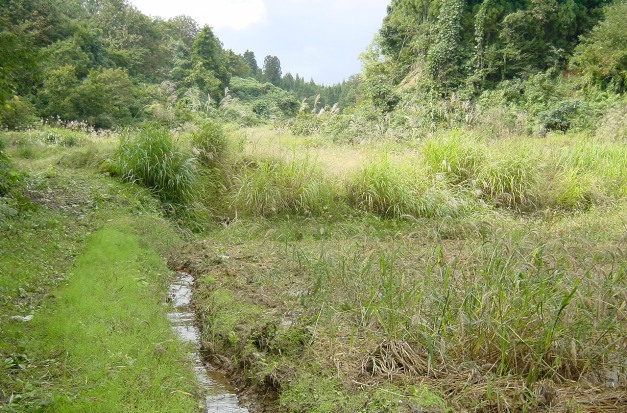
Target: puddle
{"type": "Point", "coordinates": [220, 396]}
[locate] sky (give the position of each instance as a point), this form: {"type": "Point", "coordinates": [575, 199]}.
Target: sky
{"type": "Point", "coordinates": [319, 39]}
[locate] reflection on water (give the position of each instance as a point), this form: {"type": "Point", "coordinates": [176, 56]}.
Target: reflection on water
{"type": "Point", "coordinates": [220, 396]}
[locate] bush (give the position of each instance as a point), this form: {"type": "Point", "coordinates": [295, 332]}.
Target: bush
{"type": "Point", "coordinates": [559, 117]}
{"type": "Point", "coordinates": [601, 57]}
{"type": "Point", "coordinates": [17, 114]}
{"type": "Point", "coordinates": [209, 143]}
{"type": "Point", "coordinates": [152, 159]}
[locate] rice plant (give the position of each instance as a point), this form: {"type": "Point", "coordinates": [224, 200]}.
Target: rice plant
{"type": "Point", "coordinates": [153, 159]}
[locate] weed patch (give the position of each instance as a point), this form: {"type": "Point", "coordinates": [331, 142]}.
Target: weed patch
{"type": "Point", "coordinates": [272, 187]}
{"type": "Point", "coordinates": [153, 159]}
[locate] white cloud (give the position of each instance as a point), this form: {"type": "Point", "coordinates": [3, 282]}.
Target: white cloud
{"type": "Point", "coordinates": [220, 14]}
{"type": "Point", "coordinates": [236, 14]}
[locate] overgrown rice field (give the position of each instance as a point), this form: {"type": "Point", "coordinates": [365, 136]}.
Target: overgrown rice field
{"type": "Point", "coordinates": [453, 273]}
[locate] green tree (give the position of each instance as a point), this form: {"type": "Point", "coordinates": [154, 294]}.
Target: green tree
{"type": "Point", "coordinates": [445, 55]}
{"type": "Point", "coordinates": [602, 56]}
{"type": "Point", "coordinates": [481, 42]}
{"type": "Point", "coordinates": [251, 61]}
{"type": "Point", "coordinates": [57, 97]}
{"type": "Point", "coordinates": [236, 64]}
{"type": "Point", "coordinates": [104, 98]}
{"type": "Point", "coordinates": [182, 28]}
{"type": "Point", "coordinates": [272, 70]}
{"type": "Point", "coordinates": [209, 61]}
{"type": "Point", "coordinates": [18, 65]}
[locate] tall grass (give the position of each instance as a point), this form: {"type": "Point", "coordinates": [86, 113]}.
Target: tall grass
{"type": "Point", "coordinates": [456, 155]}
{"type": "Point", "coordinates": [152, 158]}
{"type": "Point", "coordinates": [510, 176]}
{"type": "Point", "coordinates": [274, 187]}
{"type": "Point", "coordinates": [210, 143]}
{"type": "Point", "coordinates": [605, 160]}
{"type": "Point", "coordinates": [507, 308]}
{"type": "Point", "coordinates": [392, 190]}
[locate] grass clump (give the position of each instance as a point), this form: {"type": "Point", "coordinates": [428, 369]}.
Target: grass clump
{"type": "Point", "coordinates": [272, 187]}
{"type": "Point", "coordinates": [510, 177]}
{"type": "Point", "coordinates": [393, 190]}
{"type": "Point", "coordinates": [456, 156]}
{"type": "Point", "coordinates": [605, 160]}
{"type": "Point", "coordinates": [209, 143]}
{"type": "Point", "coordinates": [152, 158]}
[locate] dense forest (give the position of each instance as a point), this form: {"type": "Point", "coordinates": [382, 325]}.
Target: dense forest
{"type": "Point", "coordinates": [105, 63]}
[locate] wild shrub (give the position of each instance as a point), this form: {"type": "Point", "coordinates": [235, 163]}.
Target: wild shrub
{"type": "Point", "coordinates": [153, 159]}
{"type": "Point", "coordinates": [209, 143]}
{"type": "Point", "coordinates": [16, 114]}
{"type": "Point", "coordinates": [559, 117]}
{"type": "Point", "coordinates": [272, 187]}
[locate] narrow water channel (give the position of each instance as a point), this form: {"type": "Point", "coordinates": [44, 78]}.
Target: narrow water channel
{"type": "Point", "coordinates": [220, 396]}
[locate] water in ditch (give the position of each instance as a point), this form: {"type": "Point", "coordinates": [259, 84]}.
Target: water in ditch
{"type": "Point", "coordinates": [220, 396]}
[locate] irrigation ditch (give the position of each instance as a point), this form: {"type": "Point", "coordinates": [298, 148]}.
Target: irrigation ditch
{"type": "Point", "coordinates": [220, 396]}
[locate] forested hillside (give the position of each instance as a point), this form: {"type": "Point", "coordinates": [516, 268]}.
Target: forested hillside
{"type": "Point", "coordinates": [559, 64]}
{"type": "Point", "coordinates": [541, 64]}
{"type": "Point", "coordinates": [105, 63]}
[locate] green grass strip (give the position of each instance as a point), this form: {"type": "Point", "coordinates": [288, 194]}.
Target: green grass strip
{"type": "Point", "coordinates": [109, 324]}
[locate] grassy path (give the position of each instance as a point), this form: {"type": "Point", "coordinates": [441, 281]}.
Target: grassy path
{"type": "Point", "coordinates": [83, 327]}
{"type": "Point", "coordinates": [109, 324]}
